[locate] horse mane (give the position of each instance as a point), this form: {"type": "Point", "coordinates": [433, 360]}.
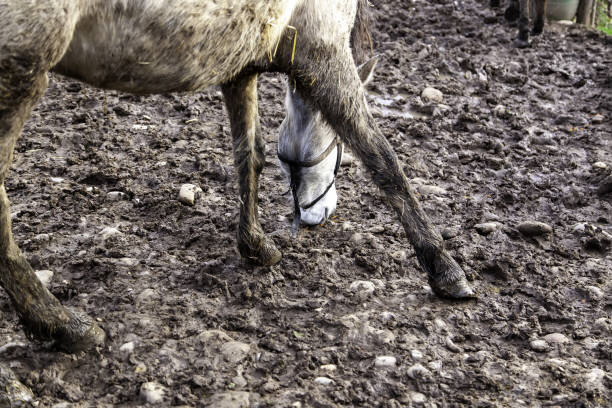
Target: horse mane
{"type": "Point", "coordinates": [361, 39]}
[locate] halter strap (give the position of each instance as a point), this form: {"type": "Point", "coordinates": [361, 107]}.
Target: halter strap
{"type": "Point", "coordinates": [294, 167]}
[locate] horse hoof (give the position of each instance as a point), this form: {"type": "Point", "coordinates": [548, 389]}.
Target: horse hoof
{"type": "Point", "coordinates": [459, 289]}
{"type": "Point", "coordinates": [518, 43]}
{"type": "Point", "coordinates": [80, 334]}
{"type": "Point", "coordinates": [264, 254]}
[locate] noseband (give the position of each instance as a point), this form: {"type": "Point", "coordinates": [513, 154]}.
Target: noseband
{"type": "Point", "coordinates": [294, 172]}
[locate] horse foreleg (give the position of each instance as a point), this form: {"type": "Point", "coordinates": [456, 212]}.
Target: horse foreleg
{"type": "Point", "coordinates": [522, 40]}
{"type": "Point", "coordinates": [538, 24]}
{"type": "Point", "coordinates": [331, 83]}
{"type": "Point", "coordinates": [42, 315]}
{"type": "Point", "coordinates": [249, 149]}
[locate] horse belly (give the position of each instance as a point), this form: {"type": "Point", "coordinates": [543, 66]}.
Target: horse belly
{"type": "Point", "coordinates": [151, 47]}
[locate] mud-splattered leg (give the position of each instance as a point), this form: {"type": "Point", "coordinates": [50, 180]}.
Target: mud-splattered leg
{"type": "Point", "coordinates": [538, 24]}
{"type": "Point", "coordinates": [330, 82]}
{"type": "Point", "coordinates": [43, 317]}
{"type": "Point", "coordinates": [522, 40]}
{"type": "Point", "coordinates": [513, 11]}
{"type": "Point", "coordinates": [241, 102]}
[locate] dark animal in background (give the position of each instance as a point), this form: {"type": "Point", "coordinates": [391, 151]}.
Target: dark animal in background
{"type": "Point", "coordinates": [520, 10]}
{"type": "Point", "coordinates": [145, 46]}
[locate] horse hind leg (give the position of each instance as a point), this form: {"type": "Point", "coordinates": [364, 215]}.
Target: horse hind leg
{"type": "Point", "coordinates": [513, 11]}
{"type": "Point", "coordinates": [249, 150]}
{"type": "Point", "coordinates": [345, 109]}
{"type": "Point", "coordinates": [540, 10]}
{"type": "Point", "coordinates": [23, 80]}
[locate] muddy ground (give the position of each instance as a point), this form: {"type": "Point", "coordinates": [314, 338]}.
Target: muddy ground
{"type": "Point", "coordinates": [521, 135]}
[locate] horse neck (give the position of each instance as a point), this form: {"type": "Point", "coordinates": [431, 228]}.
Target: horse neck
{"type": "Point", "coordinates": [306, 134]}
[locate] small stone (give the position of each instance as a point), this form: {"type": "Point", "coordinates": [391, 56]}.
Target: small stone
{"type": "Point", "coordinates": [595, 293]}
{"type": "Point", "coordinates": [362, 287]}
{"type": "Point", "coordinates": [57, 179]}
{"type": "Point", "coordinates": [431, 190]}
{"type": "Point", "coordinates": [328, 367]}
{"type": "Point", "coordinates": [108, 232]}
{"type": "Point", "coordinates": [435, 365]}
{"type": "Point", "coordinates": [556, 338]}
{"type": "Point", "coordinates": [231, 399]}
{"type": "Point", "coordinates": [128, 347]}
{"type": "Point", "coordinates": [600, 165]}
{"type": "Point", "coordinates": [538, 345]}
{"type": "Point", "coordinates": [418, 371]}
{"type": "Point", "coordinates": [487, 227]}
{"type": "Point", "coordinates": [579, 228]}
{"type": "Point", "coordinates": [432, 95]}
{"type": "Point", "coordinates": [451, 345]}
{"type": "Point", "coordinates": [115, 195]}
{"type": "Point", "coordinates": [440, 324]}
{"type": "Point", "coordinates": [323, 380]}
{"type": "Point", "coordinates": [188, 193]}
{"type": "Point", "coordinates": [597, 118]}
{"type": "Point", "coordinates": [235, 351]}
{"type": "Point", "coordinates": [385, 361]}
{"type": "Point", "coordinates": [417, 398]}
{"type": "Point", "coordinates": [152, 392]}
{"type": "Point", "coordinates": [500, 111]}
{"type": "Point", "coordinates": [45, 277]}
{"type": "Point", "coordinates": [416, 354]}
{"type": "Point", "coordinates": [450, 233]}
{"type": "Point", "coordinates": [533, 228]}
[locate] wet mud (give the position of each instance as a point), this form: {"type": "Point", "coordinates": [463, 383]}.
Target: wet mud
{"type": "Point", "coordinates": [513, 164]}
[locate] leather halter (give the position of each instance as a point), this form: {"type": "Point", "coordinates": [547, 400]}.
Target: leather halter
{"type": "Point", "coordinates": [294, 172]}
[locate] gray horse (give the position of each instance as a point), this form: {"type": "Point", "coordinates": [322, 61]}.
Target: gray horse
{"type": "Point", "coordinates": [147, 46]}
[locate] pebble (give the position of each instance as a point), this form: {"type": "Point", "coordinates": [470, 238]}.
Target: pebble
{"type": "Point", "coordinates": [500, 111]}
{"type": "Point", "coordinates": [115, 195]}
{"type": "Point", "coordinates": [235, 351]}
{"type": "Point", "coordinates": [385, 361]}
{"type": "Point", "coordinates": [595, 293]}
{"type": "Point", "coordinates": [416, 354]}
{"type": "Point", "coordinates": [57, 179]}
{"type": "Point", "coordinates": [418, 371]}
{"type": "Point", "coordinates": [127, 347]}
{"type": "Point", "coordinates": [108, 232]}
{"type": "Point", "coordinates": [432, 95]}
{"type": "Point", "coordinates": [450, 233]}
{"type": "Point", "coordinates": [362, 287]}
{"type": "Point", "coordinates": [579, 228]}
{"type": "Point", "coordinates": [594, 379]}
{"type": "Point", "coordinates": [487, 227]}
{"type": "Point", "coordinates": [538, 345]}
{"type": "Point", "coordinates": [230, 399]}
{"type": "Point", "coordinates": [146, 295]}
{"type": "Point", "coordinates": [451, 345]}
{"type": "Point", "coordinates": [431, 190]}
{"type": "Point", "coordinates": [323, 380]}
{"type": "Point", "coordinates": [417, 398]}
{"type": "Point", "coordinates": [328, 367]}
{"type": "Point", "coordinates": [435, 365]}
{"type": "Point", "coordinates": [600, 165]}
{"type": "Point", "coordinates": [152, 392]}
{"type": "Point", "coordinates": [45, 277]}
{"type": "Point", "coordinates": [188, 193]}
{"type": "Point", "coordinates": [533, 228]}
{"type": "Point", "coordinates": [556, 338]}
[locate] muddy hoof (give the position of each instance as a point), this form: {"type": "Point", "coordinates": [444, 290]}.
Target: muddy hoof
{"type": "Point", "coordinates": [263, 254]}
{"type": "Point", "coordinates": [80, 334]}
{"type": "Point", "coordinates": [518, 43]}
{"type": "Point", "coordinates": [459, 289]}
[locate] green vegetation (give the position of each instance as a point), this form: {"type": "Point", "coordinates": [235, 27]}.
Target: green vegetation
{"type": "Point", "coordinates": [604, 22]}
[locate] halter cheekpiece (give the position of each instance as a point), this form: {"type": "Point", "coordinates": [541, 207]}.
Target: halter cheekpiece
{"type": "Point", "coordinates": [295, 177]}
